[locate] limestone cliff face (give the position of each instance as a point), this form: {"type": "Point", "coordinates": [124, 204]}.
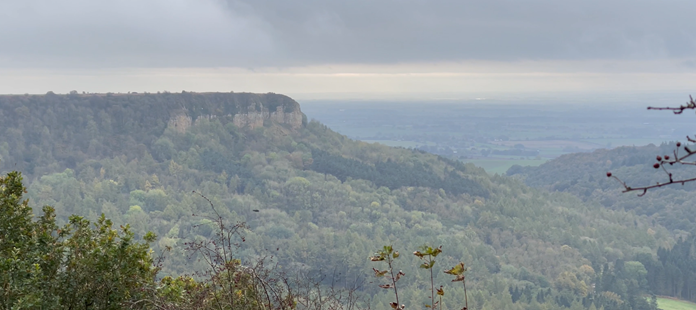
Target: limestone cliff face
{"type": "Point", "coordinates": [77, 127]}
{"type": "Point", "coordinates": [256, 119]}
{"type": "Point", "coordinates": [244, 110]}
{"type": "Point", "coordinates": [180, 122]}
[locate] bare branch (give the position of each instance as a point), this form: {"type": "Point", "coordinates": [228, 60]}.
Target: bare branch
{"type": "Point", "coordinates": [690, 105]}
{"type": "Point", "coordinates": [662, 162]}
{"type": "Point", "coordinates": [645, 189]}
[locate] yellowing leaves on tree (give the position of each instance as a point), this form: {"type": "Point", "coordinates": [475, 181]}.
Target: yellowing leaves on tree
{"type": "Point", "coordinates": [456, 270]}
{"type": "Point", "coordinates": [379, 273]}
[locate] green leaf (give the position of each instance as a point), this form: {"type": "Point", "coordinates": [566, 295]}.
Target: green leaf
{"type": "Point", "coordinates": [456, 270]}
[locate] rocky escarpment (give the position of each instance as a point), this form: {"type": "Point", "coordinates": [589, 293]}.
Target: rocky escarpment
{"type": "Point", "coordinates": [146, 110]}
{"type": "Point", "coordinates": [244, 110]}
{"type": "Point", "coordinates": [75, 127]}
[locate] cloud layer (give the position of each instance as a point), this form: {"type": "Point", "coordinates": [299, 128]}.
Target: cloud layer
{"type": "Point", "coordinates": [281, 33]}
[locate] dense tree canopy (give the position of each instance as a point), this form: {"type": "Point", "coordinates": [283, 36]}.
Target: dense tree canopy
{"type": "Point", "coordinates": [76, 266]}
{"type": "Point", "coordinates": [324, 202]}
{"type": "Point", "coordinates": [582, 174]}
{"type": "Point", "coordinates": [671, 270]}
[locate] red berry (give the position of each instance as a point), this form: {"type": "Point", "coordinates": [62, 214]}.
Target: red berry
{"type": "Point", "coordinates": [608, 174]}
{"type": "Point", "coordinates": [656, 165]}
{"type": "Point", "coordinates": [659, 158]}
{"type": "Point", "coordinates": [666, 157]}
{"type": "Point", "coordinates": [678, 144]}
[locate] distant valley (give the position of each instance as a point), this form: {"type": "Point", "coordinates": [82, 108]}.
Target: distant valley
{"type": "Point", "coordinates": [497, 134]}
{"type": "Point", "coordinates": [318, 200]}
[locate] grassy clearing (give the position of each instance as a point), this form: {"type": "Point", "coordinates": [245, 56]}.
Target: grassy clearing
{"type": "Point", "coordinates": [551, 144]}
{"type": "Point", "coordinates": [627, 141]}
{"type": "Point", "coordinates": [394, 143]}
{"type": "Point", "coordinates": [500, 166]}
{"type": "Point", "coordinates": [674, 304]}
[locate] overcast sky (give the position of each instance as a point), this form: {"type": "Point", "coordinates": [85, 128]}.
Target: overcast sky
{"type": "Point", "coordinates": [344, 47]}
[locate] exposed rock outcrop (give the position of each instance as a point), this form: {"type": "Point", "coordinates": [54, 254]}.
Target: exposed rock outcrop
{"type": "Point", "coordinates": [180, 122]}
{"type": "Point", "coordinates": [247, 111]}
{"type": "Point", "coordinates": [256, 119]}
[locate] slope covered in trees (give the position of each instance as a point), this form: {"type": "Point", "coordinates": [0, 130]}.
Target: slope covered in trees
{"type": "Point", "coordinates": [671, 271]}
{"type": "Point", "coordinates": [324, 202]}
{"type": "Point", "coordinates": [584, 175]}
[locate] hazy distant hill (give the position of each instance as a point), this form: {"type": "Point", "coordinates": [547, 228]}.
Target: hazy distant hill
{"type": "Point", "coordinates": [584, 175]}
{"type": "Point", "coordinates": [64, 130]}
{"type": "Point", "coordinates": [324, 200]}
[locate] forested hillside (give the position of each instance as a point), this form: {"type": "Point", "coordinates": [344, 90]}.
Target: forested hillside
{"type": "Point", "coordinates": [672, 271]}
{"type": "Point", "coordinates": [324, 202]}
{"type": "Point", "coordinates": [584, 175]}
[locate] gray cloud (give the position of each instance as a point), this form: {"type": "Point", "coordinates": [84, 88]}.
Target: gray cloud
{"type": "Point", "coordinates": [281, 33]}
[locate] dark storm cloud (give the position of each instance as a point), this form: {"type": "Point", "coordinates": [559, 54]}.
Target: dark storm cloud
{"type": "Point", "coordinates": [280, 33]}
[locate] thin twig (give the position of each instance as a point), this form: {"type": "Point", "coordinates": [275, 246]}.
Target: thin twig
{"type": "Point", "coordinates": [690, 105]}
{"type": "Point", "coordinates": [662, 162]}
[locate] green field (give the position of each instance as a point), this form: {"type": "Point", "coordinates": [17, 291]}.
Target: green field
{"type": "Point", "coordinates": [673, 304]}
{"type": "Point", "coordinates": [500, 166]}
{"type": "Point", "coordinates": [468, 129]}
{"type": "Point", "coordinates": [406, 144]}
